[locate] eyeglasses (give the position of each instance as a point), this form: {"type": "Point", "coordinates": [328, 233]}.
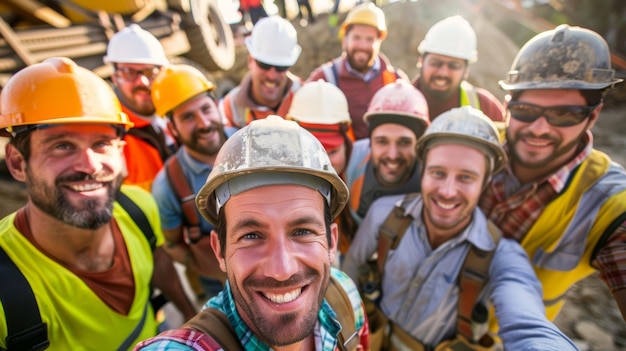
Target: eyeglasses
{"type": "Point", "coordinates": [131, 74]}
{"type": "Point", "coordinates": [558, 116]}
{"type": "Point", "coordinates": [266, 67]}
{"type": "Point", "coordinates": [452, 65]}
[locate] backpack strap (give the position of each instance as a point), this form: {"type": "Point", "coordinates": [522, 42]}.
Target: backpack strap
{"type": "Point", "coordinates": [182, 189]}
{"type": "Point", "coordinates": [338, 299]}
{"type": "Point", "coordinates": [214, 323]}
{"type": "Point", "coordinates": [473, 277]}
{"type": "Point", "coordinates": [331, 72]}
{"type": "Point", "coordinates": [25, 329]}
{"type": "Point", "coordinates": [144, 225]}
{"type": "Point", "coordinates": [391, 232]}
{"type": "Point", "coordinates": [138, 217]}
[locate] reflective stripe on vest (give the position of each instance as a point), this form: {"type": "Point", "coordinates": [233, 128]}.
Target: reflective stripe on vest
{"type": "Point", "coordinates": [469, 97]}
{"type": "Point", "coordinates": [561, 242]}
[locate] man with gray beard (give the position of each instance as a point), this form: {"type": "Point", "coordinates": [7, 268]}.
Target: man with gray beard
{"type": "Point", "coordinates": [84, 251]}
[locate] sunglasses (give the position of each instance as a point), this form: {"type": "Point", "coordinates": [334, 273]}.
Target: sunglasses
{"type": "Point", "coordinates": [558, 116]}
{"type": "Point", "coordinates": [131, 74]}
{"type": "Point", "coordinates": [266, 67]}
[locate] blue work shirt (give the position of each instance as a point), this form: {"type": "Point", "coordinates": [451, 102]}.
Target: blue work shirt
{"type": "Point", "coordinates": [420, 286]}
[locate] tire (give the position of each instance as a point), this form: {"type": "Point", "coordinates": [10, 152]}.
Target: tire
{"type": "Point", "coordinates": [210, 37]}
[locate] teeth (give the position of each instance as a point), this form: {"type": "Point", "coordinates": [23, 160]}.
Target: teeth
{"type": "Point", "coordinates": [537, 143]}
{"type": "Point", "coordinates": [392, 165]}
{"type": "Point", "coordinates": [284, 298]}
{"type": "Point", "coordinates": [87, 187]}
{"type": "Point", "coordinates": [270, 84]}
{"type": "Point", "coordinates": [445, 206]}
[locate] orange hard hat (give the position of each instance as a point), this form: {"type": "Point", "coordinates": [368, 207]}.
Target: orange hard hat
{"type": "Point", "coordinates": [31, 97]}
{"type": "Point", "coordinates": [176, 84]}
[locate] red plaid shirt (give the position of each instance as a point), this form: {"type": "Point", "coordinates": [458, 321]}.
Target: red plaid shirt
{"type": "Point", "coordinates": [515, 207]}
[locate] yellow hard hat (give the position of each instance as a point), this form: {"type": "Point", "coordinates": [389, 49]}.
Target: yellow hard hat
{"type": "Point", "coordinates": [58, 91]}
{"type": "Point", "coordinates": [367, 14]}
{"type": "Point", "coordinates": [266, 152]}
{"type": "Point", "coordinates": [176, 84]}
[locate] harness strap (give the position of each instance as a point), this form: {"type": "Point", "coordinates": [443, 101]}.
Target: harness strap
{"type": "Point", "coordinates": [25, 329]}
{"type": "Point", "coordinates": [391, 232]}
{"type": "Point", "coordinates": [215, 324]}
{"type": "Point", "coordinates": [347, 339]}
{"type": "Point", "coordinates": [138, 217]}
{"type": "Point", "coordinates": [473, 277]}
{"type": "Point", "coordinates": [179, 183]}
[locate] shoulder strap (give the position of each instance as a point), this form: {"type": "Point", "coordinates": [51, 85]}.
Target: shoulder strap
{"type": "Point", "coordinates": [391, 232]}
{"type": "Point", "coordinates": [138, 217]}
{"type": "Point", "coordinates": [25, 329]}
{"type": "Point", "coordinates": [330, 73]}
{"type": "Point", "coordinates": [182, 189]}
{"type": "Point", "coordinates": [473, 277]}
{"type": "Point", "coordinates": [340, 302]}
{"type": "Point", "coordinates": [215, 324]}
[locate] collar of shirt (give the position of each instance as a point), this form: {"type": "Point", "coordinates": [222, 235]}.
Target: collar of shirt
{"type": "Point", "coordinates": [474, 233]}
{"type": "Point", "coordinates": [187, 161]}
{"type": "Point", "coordinates": [367, 76]}
{"type": "Point", "coordinates": [325, 331]}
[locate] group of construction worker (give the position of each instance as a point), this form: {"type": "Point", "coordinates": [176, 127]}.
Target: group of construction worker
{"type": "Point", "coordinates": [356, 209]}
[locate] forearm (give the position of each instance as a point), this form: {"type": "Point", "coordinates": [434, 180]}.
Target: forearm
{"type": "Point", "coordinates": [168, 281]}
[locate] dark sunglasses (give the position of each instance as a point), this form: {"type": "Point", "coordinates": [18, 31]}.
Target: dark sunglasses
{"type": "Point", "coordinates": [266, 67]}
{"type": "Point", "coordinates": [131, 74]}
{"type": "Point", "coordinates": [558, 116]}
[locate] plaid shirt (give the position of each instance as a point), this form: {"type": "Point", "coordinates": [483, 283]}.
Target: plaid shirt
{"type": "Point", "coordinates": [325, 332]}
{"type": "Point", "coordinates": [514, 208]}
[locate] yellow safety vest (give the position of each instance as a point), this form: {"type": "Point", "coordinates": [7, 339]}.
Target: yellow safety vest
{"type": "Point", "coordinates": [76, 317]}
{"type": "Point", "coordinates": [561, 243]}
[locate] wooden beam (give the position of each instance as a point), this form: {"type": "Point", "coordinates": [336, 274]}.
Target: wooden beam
{"type": "Point", "coordinates": [36, 10]}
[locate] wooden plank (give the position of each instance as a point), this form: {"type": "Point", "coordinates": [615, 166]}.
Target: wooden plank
{"type": "Point", "coordinates": [36, 10]}
{"type": "Point", "coordinates": [14, 42]}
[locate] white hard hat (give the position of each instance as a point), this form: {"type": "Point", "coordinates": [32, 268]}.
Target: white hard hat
{"type": "Point", "coordinates": [319, 102]}
{"type": "Point", "coordinates": [452, 36]}
{"type": "Point", "coordinates": [274, 41]}
{"type": "Point", "coordinates": [135, 45]}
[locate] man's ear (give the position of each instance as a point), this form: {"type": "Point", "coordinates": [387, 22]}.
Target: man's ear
{"type": "Point", "coordinates": [217, 250]}
{"type": "Point", "coordinates": [15, 163]}
{"type": "Point", "coordinates": [594, 116]}
{"type": "Point", "coordinates": [334, 242]}
{"type": "Point", "coordinates": [172, 128]}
